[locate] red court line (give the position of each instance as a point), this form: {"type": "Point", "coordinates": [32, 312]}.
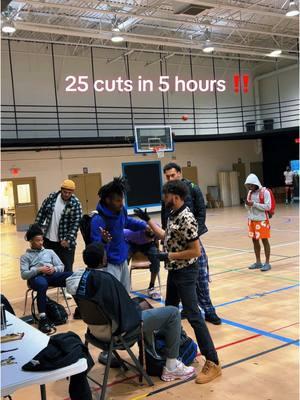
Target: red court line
{"type": "Point", "coordinates": [251, 337]}
{"type": "Point", "coordinates": [199, 354]}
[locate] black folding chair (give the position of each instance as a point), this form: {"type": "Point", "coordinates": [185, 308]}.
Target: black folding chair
{"type": "Point", "coordinates": [99, 334]}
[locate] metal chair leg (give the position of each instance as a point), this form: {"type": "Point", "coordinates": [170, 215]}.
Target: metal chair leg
{"type": "Point", "coordinates": [66, 301]}
{"type": "Point", "coordinates": [123, 365]}
{"type": "Point", "coordinates": [105, 378]}
{"type": "Point", "coordinates": [136, 362]}
{"type": "Point", "coordinates": [130, 277]}
{"type": "Point", "coordinates": [26, 299]}
{"type": "Point", "coordinates": [159, 284]}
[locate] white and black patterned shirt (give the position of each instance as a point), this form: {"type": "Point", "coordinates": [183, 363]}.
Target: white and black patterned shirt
{"type": "Point", "coordinates": [182, 228]}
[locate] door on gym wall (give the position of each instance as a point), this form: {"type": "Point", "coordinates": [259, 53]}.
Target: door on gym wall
{"type": "Point", "coordinates": [241, 170]}
{"type": "Point", "coordinates": [25, 201]}
{"type": "Point", "coordinates": [190, 173]}
{"type": "Point", "coordinates": [87, 186]}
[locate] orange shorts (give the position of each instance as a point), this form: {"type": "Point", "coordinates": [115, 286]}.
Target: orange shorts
{"type": "Point", "coordinates": [259, 229]}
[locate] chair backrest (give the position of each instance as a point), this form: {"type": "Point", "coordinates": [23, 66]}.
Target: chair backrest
{"type": "Point", "coordinates": [98, 322]}
{"type": "Point", "coordinates": [139, 260]}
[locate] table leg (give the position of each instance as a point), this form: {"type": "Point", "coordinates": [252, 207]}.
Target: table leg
{"type": "Point", "coordinates": [43, 392]}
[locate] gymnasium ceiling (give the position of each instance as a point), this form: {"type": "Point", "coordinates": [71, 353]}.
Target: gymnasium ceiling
{"type": "Point", "coordinates": [248, 30]}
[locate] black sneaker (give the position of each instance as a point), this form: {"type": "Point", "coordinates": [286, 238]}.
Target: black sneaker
{"type": "Point", "coordinates": [213, 319]}
{"type": "Point", "coordinates": [45, 325]}
{"type": "Point", "coordinates": [103, 356]}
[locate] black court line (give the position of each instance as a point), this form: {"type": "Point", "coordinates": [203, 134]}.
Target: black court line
{"type": "Point", "coordinates": [223, 367]}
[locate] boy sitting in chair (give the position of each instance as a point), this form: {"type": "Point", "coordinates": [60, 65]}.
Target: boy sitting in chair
{"type": "Point", "coordinates": [146, 243]}
{"type": "Point", "coordinates": [41, 268]}
{"type": "Point", "coordinates": [101, 287]}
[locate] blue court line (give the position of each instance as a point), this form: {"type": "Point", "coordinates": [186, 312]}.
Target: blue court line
{"type": "Point", "coordinates": [256, 295]}
{"type": "Point", "coordinates": [242, 326]}
{"type": "Point", "coordinates": [261, 332]}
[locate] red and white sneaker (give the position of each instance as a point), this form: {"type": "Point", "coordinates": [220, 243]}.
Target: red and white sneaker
{"type": "Point", "coordinates": [181, 372]}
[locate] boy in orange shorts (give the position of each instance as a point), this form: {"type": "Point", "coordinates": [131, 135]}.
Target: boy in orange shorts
{"type": "Point", "coordinates": [258, 204]}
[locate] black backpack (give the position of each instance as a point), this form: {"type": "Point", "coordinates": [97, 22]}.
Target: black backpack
{"type": "Point", "coordinates": [85, 228]}
{"type": "Point", "coordinates": [156, 358]}
{"type": "Point", "coordinates": [56, 312]}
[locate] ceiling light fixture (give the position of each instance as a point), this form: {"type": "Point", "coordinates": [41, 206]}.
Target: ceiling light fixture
{"type": "Point", "coordinates": [116, 36]}
{"type": "Point", "coordinates": [8, 27]}
{"type": "Point", "coordinates": [275, 53]}
{"type": "Point", "coordinates": [208, 46]}
{"type": "Point", "coordinates": [292, 10]}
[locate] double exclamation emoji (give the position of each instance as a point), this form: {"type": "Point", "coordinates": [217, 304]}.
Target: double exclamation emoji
{"type": "Point", "coordinates": [237, 83]}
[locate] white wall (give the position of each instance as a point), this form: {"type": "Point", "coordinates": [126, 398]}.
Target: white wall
{"type": "Point", "coordinates": [34, 85]}
{"type": "Point", "coordinates": [288, 82]}
{"type": "Point", "coordinates": [51, 167]}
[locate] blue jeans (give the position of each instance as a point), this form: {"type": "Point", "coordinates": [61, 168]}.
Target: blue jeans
{"type": "Point", "coordinates": [40, 283]}
{"type": "Point", "coordinates": [203, 284]}
{"type": "Point", "coordinates": [167, 321]}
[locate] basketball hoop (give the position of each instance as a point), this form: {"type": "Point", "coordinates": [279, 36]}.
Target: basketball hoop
{"type": "Point", "coordinates": [160, 151]}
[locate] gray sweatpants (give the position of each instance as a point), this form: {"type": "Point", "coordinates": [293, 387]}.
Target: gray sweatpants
{"type": "Point", "coordinates": [166, 320]}
{"type": "Point", "coordinates": [120, 272]}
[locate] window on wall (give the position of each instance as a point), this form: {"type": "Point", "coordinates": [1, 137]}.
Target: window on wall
{"type": "Point", "coordinates": [23, 192]}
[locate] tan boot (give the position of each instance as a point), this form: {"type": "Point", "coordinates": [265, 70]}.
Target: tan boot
{"type": "Point", "coordinates": [209, 372]}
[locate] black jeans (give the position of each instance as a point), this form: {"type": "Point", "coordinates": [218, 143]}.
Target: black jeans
{"type": "Point", "coordinates": [181, 286]}
{"type": "Point", "coordinates": [65, 254]}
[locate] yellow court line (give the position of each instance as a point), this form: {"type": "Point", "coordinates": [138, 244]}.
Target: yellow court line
{"type": "Point", "coordinates": [139, 397]}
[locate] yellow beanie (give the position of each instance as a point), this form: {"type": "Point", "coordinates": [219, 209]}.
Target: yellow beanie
{"type": "Point", "coordinates": [68, 184]}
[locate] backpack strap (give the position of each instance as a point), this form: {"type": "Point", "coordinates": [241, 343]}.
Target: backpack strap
{"type": "Point", "coordinates": [262, 195]}
{"type": "Point", "coordinates": [262, 200]}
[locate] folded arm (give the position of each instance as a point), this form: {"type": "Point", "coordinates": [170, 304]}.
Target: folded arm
{"type": "Point", "coordinates": [26, 271]}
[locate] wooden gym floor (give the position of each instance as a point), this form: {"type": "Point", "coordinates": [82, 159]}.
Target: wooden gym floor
{"type": "Point", "coordinates": [257, 342]}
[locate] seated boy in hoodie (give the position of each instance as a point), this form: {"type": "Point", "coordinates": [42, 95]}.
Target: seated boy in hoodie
{"type": "Point", "coordinates": [146, 243]}
{"type": "Point", "coordinates": [103, 288]}
{"type": "Point", "coordinates": [41, 268]}
{"type": "Point", "coordinates": [258, 220]}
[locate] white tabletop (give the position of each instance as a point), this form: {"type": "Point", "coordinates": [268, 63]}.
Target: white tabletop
{"type": "Point", "coordinates": [12, 376]}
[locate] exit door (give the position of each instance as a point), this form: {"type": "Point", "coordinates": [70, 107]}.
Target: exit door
{"type": "Point", "coordinates": [25, 201]}
{"type": "Point", "coordinates": [87, 187]}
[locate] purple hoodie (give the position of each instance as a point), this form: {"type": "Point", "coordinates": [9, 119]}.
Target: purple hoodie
{"type": "Point", "coordinates": [139, 237]}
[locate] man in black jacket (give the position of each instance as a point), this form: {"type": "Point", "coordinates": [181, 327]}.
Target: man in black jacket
{"type": "Point", "coordinates": [196, 204]}
{"type": "Point", "coordinates": [104, 289]}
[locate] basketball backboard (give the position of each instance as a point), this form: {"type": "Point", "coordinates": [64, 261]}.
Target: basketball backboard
{"type": "Point", "coordinates": [150, 137]}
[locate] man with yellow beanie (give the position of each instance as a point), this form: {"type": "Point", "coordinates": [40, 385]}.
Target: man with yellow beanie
{"type": "Point", "coordinates": [59, 216]}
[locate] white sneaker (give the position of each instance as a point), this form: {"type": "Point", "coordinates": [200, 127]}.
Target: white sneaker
{"type": "Point", "coordinates": [153, 294]}
{"type": "Point", "coordinates": [181, 372]}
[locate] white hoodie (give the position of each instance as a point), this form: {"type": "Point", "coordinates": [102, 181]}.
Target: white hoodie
{"type": "Point", "coordinates": [257, 212]}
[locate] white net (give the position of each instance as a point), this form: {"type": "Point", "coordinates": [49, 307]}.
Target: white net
{"type": "Point", "coordinates": [160, 151]}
